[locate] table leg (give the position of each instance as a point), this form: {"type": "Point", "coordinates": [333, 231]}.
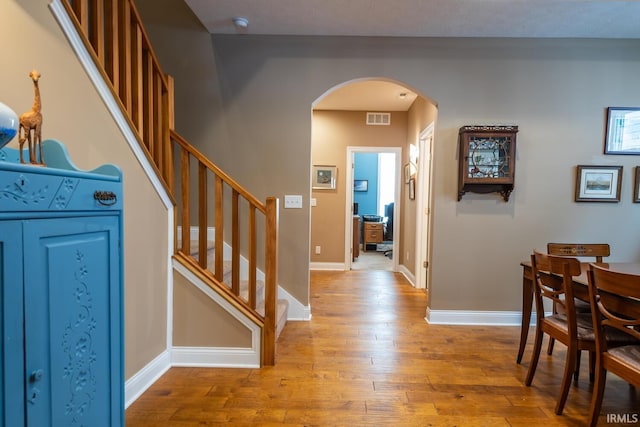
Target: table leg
{"type": "Point", "coordinates": [527, 301]}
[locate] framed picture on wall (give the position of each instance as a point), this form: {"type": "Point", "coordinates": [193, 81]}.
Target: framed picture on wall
{"type": "Point", "coordinates": [598, 183]}
{"type": "Point", "coordinates": [412, 189]}
{"type": "Point", "coordinates": [409, 171]}
{"type": "Point", "coordinates": [324, 177]}
{"type": "Point", "coordinates": [623, 131]}
{"type": "Point", "coordinates": [636, 187]}
{"type": "Point", "coordinates": [360, 185]}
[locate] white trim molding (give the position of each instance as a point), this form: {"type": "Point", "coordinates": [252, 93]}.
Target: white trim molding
{"type": "Point", "coordinates": [470, 317]}
{"type": "Point", "coordinates": [296, 310]}
{"type": "Point", "coordinates": [215, 357]}
{"type": "Point", "coordinates": [145, 377]}
{"type": "Point", "coordinates": [333, 266]}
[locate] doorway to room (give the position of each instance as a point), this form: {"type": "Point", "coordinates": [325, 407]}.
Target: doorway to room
{"type": "Point", "coordinates": [374, 198]}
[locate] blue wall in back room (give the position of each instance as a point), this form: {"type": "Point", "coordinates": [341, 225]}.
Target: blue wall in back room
{"type": "Point", "coordinates": [366, 167]}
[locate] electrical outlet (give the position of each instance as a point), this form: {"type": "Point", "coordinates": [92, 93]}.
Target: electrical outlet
{"type": "Point", "coordinates": [317, 250]}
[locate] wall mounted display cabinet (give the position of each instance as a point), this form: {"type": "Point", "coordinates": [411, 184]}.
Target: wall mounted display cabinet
{"type": "Point", "coordinates": [487, 160]}
{"type": "Point", "coordinates": [61, 292]}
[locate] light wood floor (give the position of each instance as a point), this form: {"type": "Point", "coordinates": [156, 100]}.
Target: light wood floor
{"type": "Point", "coordinates": [368, 358]}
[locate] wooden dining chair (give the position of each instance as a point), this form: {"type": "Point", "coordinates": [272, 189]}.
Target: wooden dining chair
{"type": "Point", "coordinates": [553, 279]}
{"type": "Point", "coordinates": [623, 361]}
{"type": "Point", "coordinates": [578, 250]}
{"type": "Point", "coordinates": [595, 251]}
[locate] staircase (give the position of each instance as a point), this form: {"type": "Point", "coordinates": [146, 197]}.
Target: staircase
{"type": "Point", "coordinates": [113, 35]}
{"type": "Point", "coordinates": [282, 304]}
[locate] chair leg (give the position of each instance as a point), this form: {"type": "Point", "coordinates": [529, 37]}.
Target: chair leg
{"type": "Point", "coordinates": [569, 370]}
{"type": "Point", "coordinates": [592, 366]}
{"type": "Point", "coordinates": [596, 397]}
{"type": "Point", "coordinates": [576, 372]}
{"type": "Point", "coordinates": [537, 346]}
{"type": "Point", "coordinates": [550, 347]}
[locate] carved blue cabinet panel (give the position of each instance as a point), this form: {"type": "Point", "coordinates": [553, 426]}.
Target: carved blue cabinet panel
{"type": "Point", "coordinates": [60, 293]}
{"type": "Point", "coordinates": [70, 338]}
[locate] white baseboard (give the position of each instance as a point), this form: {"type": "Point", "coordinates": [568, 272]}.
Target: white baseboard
{"type": "Point", "coordinates": [407, 274]}
{"type": "Point", "coordinates": [485, 318]}
{"type": "Point", "coordinates": [333, 266]}
{"type": "Point", "coordinates": [296, 310]}
{"type": "Point", "coordinates": [145, 377]}
{"type": "Point", "coordinates": [211, 357]}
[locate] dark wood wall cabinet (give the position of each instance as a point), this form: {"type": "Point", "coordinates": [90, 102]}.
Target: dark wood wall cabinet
{"type": "Point", "coordinates": [487, 160]}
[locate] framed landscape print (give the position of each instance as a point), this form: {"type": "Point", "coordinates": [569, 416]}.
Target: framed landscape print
{"type": "Point", "coordinates": [598, 183]}
{"type": "Point", "coordinates": [324, 177]}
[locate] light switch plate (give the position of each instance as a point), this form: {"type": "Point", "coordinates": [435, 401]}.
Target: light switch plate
{"type": "Point", "coordinates": [292, 202]}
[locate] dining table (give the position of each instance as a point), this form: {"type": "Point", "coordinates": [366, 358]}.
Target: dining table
{"type": "Point", "coordinates": [629, 306]}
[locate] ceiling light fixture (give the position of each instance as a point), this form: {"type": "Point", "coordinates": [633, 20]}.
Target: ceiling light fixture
{"type": "Point", "coordinates": [240, 22]}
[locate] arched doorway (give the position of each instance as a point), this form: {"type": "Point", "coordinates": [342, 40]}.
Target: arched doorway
{"type": "Point", "coordinates": [355, 101]}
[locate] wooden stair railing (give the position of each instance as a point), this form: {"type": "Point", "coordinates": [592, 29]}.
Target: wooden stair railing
{"type": "Point", "coordinates": [114, 36]}
{"type": "Point", "coordinates": [245, 239]}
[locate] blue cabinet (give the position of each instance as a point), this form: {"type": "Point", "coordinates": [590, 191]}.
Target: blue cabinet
{"type": "Point", "coordinates": [61, 295]}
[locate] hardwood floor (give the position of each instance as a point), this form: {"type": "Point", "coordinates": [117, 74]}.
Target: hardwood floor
{"type": "Point", "coordinates": [368, 358]}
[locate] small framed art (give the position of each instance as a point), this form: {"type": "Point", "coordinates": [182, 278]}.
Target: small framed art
{"type": "Point", "coordinates": [412, 189]}
{"type": "Point", "coordinates": [360, 185]}
{"type": "Point", "coordinates": [324, 177]}
{"type": "Point", "coordinates": [598, 183]}
{"type": "Point", "coordinates": [623, 131]}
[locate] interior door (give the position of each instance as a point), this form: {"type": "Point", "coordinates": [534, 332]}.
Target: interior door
{"type": "Point", "coordinates": [423, 214]}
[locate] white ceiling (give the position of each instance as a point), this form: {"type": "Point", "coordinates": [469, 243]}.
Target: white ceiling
{"type": "Point", "coordinates": [417, 18]}
{"type": "Point", "coordinates": [425, 18]}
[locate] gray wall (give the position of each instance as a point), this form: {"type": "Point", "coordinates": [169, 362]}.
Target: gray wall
{"type": "Point", "coordinates": [258, 94]}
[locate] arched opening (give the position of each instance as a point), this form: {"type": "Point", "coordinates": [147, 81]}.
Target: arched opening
{"type": "Point", "coordinates": [375, 115]}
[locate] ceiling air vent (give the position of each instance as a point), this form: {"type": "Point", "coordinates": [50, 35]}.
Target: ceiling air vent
{"type": "Point", "coordinates": [379, 119]}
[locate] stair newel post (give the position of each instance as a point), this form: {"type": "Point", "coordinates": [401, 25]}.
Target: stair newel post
{"type": "Point", "coordinates": [271, 281]}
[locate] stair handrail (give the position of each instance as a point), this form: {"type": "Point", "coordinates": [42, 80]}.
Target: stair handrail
{"type": "Point", "coordinates": [114, 36]}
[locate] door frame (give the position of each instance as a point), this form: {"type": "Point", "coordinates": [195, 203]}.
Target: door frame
{"type": "Point", "coordinates": [348, 240]}
{"type": "Point", "coordinates": [423, 208]}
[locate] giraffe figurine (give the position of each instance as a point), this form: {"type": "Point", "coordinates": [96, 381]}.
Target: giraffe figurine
{"type": "Point", "coordinates": [31, 125]}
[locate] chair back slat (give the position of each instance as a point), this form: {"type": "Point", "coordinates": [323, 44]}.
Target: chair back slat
{"type": "Point", "coordinates": [595, 250]}
{"type": "Point", "coordinates": [604, 282]}
{"type": "Point", "coordinates": [553, 276]}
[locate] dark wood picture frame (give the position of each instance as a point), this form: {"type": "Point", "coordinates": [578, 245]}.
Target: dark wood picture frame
{"type": "Point", "coordinates": [412, 189]}
{"type": "Point", "coordinates": [598, 183]}
{"type": "Point", "coordinates": [636, 187]}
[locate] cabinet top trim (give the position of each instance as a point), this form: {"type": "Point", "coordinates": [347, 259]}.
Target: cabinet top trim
{"type": "Point", "coordinates": [489, 128]}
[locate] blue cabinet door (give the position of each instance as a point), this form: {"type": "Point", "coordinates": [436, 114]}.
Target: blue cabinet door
{"type": "Point", "coordinates": [11, 325]}
{"type": "Point", "coordinates": [73, 362]}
